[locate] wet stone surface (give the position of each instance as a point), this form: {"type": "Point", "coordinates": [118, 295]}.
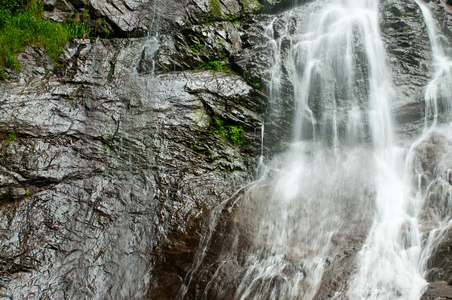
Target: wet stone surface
{"type": "Point", "coordinates": [102, 169]}
{"type": "Point", "coordinates": [106, 188]}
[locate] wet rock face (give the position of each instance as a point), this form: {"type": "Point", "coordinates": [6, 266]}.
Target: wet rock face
{"type": "Point", "coordinates": [108, 172]}
{"type": "Point", "coordinates": [106, 163]}
{"type": "Point", "coordinates": [440, 264]}
{"type": "Point", "coordinates": [432, 162]}
{"type": "Point", "coordinates": [407, 45]}
{"type": "Point", "coordinates": [438, 291]}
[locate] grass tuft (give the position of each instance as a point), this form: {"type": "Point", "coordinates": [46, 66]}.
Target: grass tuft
{"type": "Point", "coordinates": [21, 24]}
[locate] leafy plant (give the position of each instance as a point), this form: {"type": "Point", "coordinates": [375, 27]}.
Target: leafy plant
{"type": "Point", "coordinates": [231, 132]}
{"type": "Point", "coordinates": [236, 135]}
{"type": "Point", "coordinates": [214, 65]}
{"type": "Point", "coordinates": [219, 128]}
{"type": "Point", "coordinates": [78, 30]}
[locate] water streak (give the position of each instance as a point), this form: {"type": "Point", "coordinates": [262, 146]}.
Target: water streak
{"type": "Point", "coordinates": [438, 104]}
{"type": "Point", "coordinates": [438, 93]}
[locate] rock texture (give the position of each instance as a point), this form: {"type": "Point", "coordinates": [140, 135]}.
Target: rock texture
{"type": "Point", "coordinates": [411, 65]}
{"type": "Point", "coordinates": [106, 163]}
{"type": "Point", "coordinates": [112, 160]}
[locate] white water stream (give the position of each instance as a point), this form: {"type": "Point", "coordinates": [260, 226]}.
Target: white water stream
{"type": "Point", "coordinates": [438, 104]}
{"type": "Point", "coordinates": [344, 181]}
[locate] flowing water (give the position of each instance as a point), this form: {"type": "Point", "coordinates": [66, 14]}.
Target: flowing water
{"type": "Point", "coordinates": [438, 103]}
{"type": "Point", "coordinates": [344, 192]}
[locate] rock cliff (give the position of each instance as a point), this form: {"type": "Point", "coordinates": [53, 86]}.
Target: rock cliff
{"type": "Point", "coordinates": [111, 161]}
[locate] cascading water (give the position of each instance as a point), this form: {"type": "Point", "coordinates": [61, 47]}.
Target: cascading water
{"type": "Point", "coordinates": [146, 63]}
{"type": "Point", "coordinates": [438, 104]}
{"type": "Point", "coordinates": [343, 191]}
{"type": "Point", "coordinates": [438, 94]}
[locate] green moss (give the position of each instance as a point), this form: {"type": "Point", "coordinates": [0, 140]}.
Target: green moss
{"type": "Point", "coordinates": [215, 65]}
{"type": "Point", "coordinates": [215, 8]}
{"type": "Point", "coordinates": [233, 133]}
{"type": "Point", "coordinates": [250, 4]}
{"type": "Point", "coordinates": [220, 63]}
{"type": "Point", "coordinates": [196, 47]}
{"type": "Point", "coordinates": [236, 135]}
{"type": "Point", "coordinates": [11, 137]}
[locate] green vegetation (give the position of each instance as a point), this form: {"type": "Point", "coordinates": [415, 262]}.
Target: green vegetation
{"type": "Point", "coordinates": [22, 24]}
{"type": "Point", "coordinates": [236, 135]}
{"type": "Point", "coordinates": [215, 8]}
{"type": "Point", "coordinates": [11, 137]}
{"type": "Point", "coordinates": [225, 17]}
{"type": "Point", "coordinates": [102, 27]}
{"type": "Point", "coordinates": [231, 132]}
{"type": "Point", "coordinates": [219, 63]}
{"type": "Point", "coordinates": [256, 85]}
{"type": "Point", "coordinates": [78, 30]}
{"type": "Point", "coordinates": [215, 65]}
{"type": "Point", "coordinates": [196, 47]}
{"type": "Point", "coordinates": [248, 6]}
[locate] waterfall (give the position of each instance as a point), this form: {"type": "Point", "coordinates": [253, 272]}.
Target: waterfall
{"type": "Point", "coordinates": [343, 191]}
{"type": "Point", "coordinates": [438, 94]}
{"type": "Point", "coordinates": [438, 104]}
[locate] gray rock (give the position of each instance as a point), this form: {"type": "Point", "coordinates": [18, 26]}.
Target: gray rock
{"type": "Point", "coordinates": [123, 149]}
{"type": "Point", "coordinates": [108, 164]}
{"type": "Point", "coordinates": [437, 291]}
{"type": "Point", "coordinates": [408, 48]}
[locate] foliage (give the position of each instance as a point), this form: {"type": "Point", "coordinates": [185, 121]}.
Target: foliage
{"type": "Point", "coordinates": [221, 63]}
{"type": "Point", "coordinates": [219, 128]}
{"type": "Point", "coordinates": [231, 132]}
{"type": "Point", "coordinates": [11, 137]}
{"type": "Point", "coordinates": [78, 30]}
{"type": "Point", "coordinates": [256, 85]}
{"type": "Point", "coordinates": [196, 47]}
{"type": "Point", "coordinates": [236, 135]}
{"type": "Point", "coordinates": [21, 24]}
{"type": "Point", "coordinates": [214, 65]}
{"type": "Point", "coordinates": [250, 4]}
